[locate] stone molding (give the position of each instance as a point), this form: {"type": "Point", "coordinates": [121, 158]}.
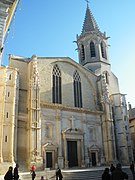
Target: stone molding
{"type": "Point", "coordinates": [67, 108]}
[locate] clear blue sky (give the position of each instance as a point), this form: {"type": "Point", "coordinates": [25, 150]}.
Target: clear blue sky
{"type": "Point", "coordinates": [49, 27]}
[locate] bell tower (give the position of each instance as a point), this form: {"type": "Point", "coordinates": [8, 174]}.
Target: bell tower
{"type": "Point", "coordinates": [92, 45]}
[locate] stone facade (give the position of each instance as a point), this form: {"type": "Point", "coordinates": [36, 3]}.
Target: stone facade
{"type": "Point", "coordinates": [131, 113]}
{"type": "Point", "coordinates": [9, 94]}
{"type": "Point", "coordinates": [62, 113]}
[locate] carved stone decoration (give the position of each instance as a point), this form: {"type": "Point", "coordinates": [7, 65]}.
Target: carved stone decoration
{"type": "Point", "coordinates": [105, 91]}
{"type": "Point", "coordinates": [34, 114]}
{"type": "Point", "coordinates": [35, 75]}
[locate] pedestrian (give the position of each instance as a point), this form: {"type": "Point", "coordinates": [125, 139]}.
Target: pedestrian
{"type": "Point", "coordinates": [118, 174]}
{"type": "Point", "coordinates": [33, 174]}
{"type": "Point", "coordinates": [106, 175]}
{"type": "Point", "coordinates": [16, 174]}
{"type": "Point", "coordinates": [9, 174]}
{"type": "Point", "coordinates": [58, 174]}
{"type": "Point", "coordinates": [33, 168]}
{"type": "Point", "coordinates": [42, 178]}
{"type": "Point", "coordinates": [132, 169]}
{"type": "Point", "coordinates": [112, 168]}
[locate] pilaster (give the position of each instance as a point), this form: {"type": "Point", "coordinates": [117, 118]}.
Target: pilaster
{"type": "Point", "coordinates": [34, 117]}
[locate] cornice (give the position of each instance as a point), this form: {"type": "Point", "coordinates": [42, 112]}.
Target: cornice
{"type": "Point", "coordinates": [67, 108]}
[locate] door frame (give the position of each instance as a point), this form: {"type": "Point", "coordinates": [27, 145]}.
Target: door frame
{"type": "Point", "coordinates": [49, 147]}
{"type": "Point", "coordinates": [74, 135]}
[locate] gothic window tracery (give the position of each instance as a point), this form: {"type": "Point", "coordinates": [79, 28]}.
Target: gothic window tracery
{"type": "Point", "coordinates": [77, 90]}
{"type": "Point", "coordinates": [56, 89]}
{"type": "Point", "coordinates": [92, 49]}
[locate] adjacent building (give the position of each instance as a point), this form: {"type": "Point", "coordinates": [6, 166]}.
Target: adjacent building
{"type": "Point", "coordinates": [132, 126]}
{"type": "Point", "coordinates": [57, 112]}
{"type": "Point", "coordinates": [7, 10]}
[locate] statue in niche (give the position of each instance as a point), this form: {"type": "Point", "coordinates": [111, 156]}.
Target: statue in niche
{"type": "Point", "coordinates": [47, 131]}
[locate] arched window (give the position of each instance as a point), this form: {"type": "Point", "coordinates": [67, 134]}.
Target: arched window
{"type": "Point", "coordinates": [82, 53]}
{"type": "Point", "coordinates": [103, 50]}
{"type": "Point", "coordinates": [92, 49]}
{"type": "Point", "coordinates": [77, 90]}
{"type": "Point", "coordinates": [56, 89]}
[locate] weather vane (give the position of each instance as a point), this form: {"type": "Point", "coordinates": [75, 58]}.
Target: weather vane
{"type": "Point", "coordinates": [87, 1]}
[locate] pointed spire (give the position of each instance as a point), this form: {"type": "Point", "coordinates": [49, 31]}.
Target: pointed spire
{"type": "Point", "coordinates": [89, 22]}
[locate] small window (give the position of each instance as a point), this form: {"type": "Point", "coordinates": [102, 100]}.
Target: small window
{"type": "Point", "coordinates": [8, 94]}
{"type": "Point", "coordinates": [6, 139]}
{"type": "Point", "coordinates": [7, 115]}
{"type": "Point", "coordinates": [10, 77]}
{"type": "Point", "coordinates": [107, 78]}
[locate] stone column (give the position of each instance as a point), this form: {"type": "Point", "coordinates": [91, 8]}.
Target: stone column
{"type": "Point", "coordinates": [85, 158]}
{"type": "Point", "coordinates": [59, 131]}
{"type": "Point", "coordinates": [65, 150]}
{"type": "Point", "coordinates": [82, 153]}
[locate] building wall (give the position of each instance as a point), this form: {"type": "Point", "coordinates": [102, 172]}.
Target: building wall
{"type": "Point", "coordinates": [8, 114]}
{"type": "Point", "coordinates": [85, 126]}
{"type": "Point", "coordinates": [131, 113]}
{"type": "Point", "coordinates": [67, 68]}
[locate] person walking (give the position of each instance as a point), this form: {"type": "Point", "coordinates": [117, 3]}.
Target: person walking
{"type": "Point", "coordinates": [16, 174]}
{"type": "Point", "coordinates": [33, 168]}
{"type": "Point", "coordinates": [106, 175]}
{"type": "Point", "coordinates": [112, 168]}
{"type": "Point", "coordinates": [42, 178]}
{"type": "Point", "coordinates": [132, 169]}
{"type": "Point", "coordinates": [118, 174]}
{"type": "Point", "coordinates": [33, 174]}
{"type": "Point", "coordinates": [9, 174]}
{"type": "Point", "coordinates": [58, 174]}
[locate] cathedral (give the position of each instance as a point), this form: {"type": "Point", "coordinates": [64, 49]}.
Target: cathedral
{"type": "Point", "coordinates": [57, 112]}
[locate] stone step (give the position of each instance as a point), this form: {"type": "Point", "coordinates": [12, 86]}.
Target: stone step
{"type": "Point", "coordinates": [89, 174]}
